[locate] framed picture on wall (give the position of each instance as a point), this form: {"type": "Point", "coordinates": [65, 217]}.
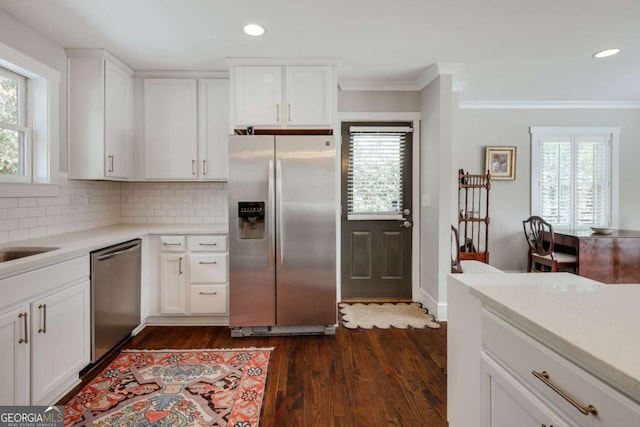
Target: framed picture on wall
{"type": "Point", "coordinates": [500, 162]}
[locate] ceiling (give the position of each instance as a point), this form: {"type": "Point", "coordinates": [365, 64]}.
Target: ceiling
{"type": "Point", "coordinates": [510, 50]}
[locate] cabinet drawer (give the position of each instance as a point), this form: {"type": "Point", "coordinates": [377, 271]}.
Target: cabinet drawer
{"type": "Point", "coordinates": [522, 355]}
{"type": "Point", "coordinates": [208, 243]}
{"type": "Point", "coordinates": [208, 268]}
{"type": "Point", "coordinates": [172, 243]}
{"type": "Point", "coordinates": [208, 299]}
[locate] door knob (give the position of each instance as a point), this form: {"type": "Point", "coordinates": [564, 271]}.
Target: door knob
{"type": "Point", "coordinates": [406, 224]}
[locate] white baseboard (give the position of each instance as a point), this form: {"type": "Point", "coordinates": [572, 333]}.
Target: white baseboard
{"type": "Point", "coordinates": [436, 308]}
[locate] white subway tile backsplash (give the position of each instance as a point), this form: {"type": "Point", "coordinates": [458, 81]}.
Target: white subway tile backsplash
{"type": "Point", "coordinates": [174, 202]}
{"type": "Point", "coordinates": [83, 205]}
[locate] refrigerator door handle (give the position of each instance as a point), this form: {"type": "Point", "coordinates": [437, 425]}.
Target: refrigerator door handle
{"type": "Point", "coordinates": [271, 214]}
{"type": "Point", "coordinates": [280, 240]}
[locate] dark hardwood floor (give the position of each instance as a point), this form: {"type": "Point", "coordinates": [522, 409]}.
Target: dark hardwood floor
{"type": "Point", "coordinates": [372, 378]}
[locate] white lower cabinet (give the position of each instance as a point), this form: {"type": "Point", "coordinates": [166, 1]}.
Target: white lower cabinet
{"type": "Point", "coordinates": [194, 275]}
{"type": "Point", "coordinates": [509, 403]}
{"type": "Point", "coordinates": [527, 384]}
{"type": "Point", "coordinates": [45, 336]}
{"type": "Point", "coordinates": [172, 284]}
{"type": "Point", "coordinates": [60, 333]}
{"type": "Point", "coordinates": [14, 356]}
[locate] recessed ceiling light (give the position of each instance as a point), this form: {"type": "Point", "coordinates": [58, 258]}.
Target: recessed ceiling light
{"type": "Point", "coordinates": [606, 52]}
{"type": "Point", "coordinates": [253, 29]}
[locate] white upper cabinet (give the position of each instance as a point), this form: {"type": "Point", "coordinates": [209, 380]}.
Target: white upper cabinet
{"type": "Point", "coordinates": [171, 128]}
{"type": "Point", "coordinates": [100, 115]}
{"type": "Point", "coordinates": [308, 95]}
{"type": "Point", "coordinates": [186, 129]}
{"type": "Point", "coordinates": [282, 96]}
{"type": "Point", "coordinates": [213, 110]}
{"type": "Point", "coordinates": [258, 96]}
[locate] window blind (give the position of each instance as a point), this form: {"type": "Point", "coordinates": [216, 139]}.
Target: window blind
{"type": "Point", "coordinates": [574, 180]}
{"type": "Point", "coordinates": [375, 171]}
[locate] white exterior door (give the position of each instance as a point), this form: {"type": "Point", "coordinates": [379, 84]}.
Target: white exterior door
{"type": "Point", "coordinates": [14, 356]}
{"type": "Point", "coordinates": [171, 128]}
{"type": "Point", "coordinates": [61, 331]}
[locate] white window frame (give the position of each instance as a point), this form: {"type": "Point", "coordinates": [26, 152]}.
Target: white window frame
{"type": "Point", "coordinates": [42, 111]}
{"type": "Point", "coordinates": [21, 126]}
{"type": "Point", "coordinates": [537, 133]}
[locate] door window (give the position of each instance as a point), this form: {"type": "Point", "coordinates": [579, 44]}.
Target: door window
{"type": "Point", "coordinates": [375, 171]}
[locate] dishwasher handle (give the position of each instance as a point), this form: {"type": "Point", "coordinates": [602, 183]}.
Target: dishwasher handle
{"type": "Point", "coordinates": [120, 250]}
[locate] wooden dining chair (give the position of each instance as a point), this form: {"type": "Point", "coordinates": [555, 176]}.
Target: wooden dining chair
{"type": "Point", "coordinates": [456, 267]}
{"type": "Point", "coordinates": [540, 238]}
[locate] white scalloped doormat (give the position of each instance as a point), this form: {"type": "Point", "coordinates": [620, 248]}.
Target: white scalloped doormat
{"type": "Point", "coordinates": [384, 316]}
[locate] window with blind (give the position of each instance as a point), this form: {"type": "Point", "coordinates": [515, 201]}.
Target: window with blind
{"type": "Point", "coordinates": [375, 172]}
{"type": "Point", "coordinates": [572, 176]}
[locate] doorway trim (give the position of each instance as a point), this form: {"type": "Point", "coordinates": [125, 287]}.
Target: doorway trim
{"type": "Point", "coordinates": [414, 118]}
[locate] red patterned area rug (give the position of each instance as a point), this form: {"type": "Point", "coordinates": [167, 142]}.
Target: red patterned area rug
{"type": "Point", "coordinates": [175, 388]}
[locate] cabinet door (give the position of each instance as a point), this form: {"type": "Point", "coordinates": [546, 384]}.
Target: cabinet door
{"type": "Point", "coordinates": [14, 357]}
{"type": "Point", "coordinates": [507, 402]}
{"type": "Point", "coordinates": [61, 333]}
{"type": "Point", "coordinates": [258, 95]}
{"type": "Point", "coordinates": [173, 284]}
{"type": "Point", "coordinates": [309, 100]}
{"type": "Point", "coordinates": [214, 124]}
{"type": "Point", "coordinates": [171, 128]}
{"type": "Point", "coordinates": [117, 130]}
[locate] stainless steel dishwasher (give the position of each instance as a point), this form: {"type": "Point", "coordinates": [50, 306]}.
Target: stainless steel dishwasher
{"type": "Point", "coordinates": [115, 295]}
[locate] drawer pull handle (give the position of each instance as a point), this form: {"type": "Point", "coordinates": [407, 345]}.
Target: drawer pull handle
{"type": "Point", "coordinates": [208, 244]}
{"type": "Point", "coordinates": [171, 244]}
{"type": "Point", "coordinates": [584, 410]}
{"type": "Point", "coordinates": [208, 262]}
{"type": "Point", "coordinates": [43, 307]}
{"type": "Point", "coordinates": [24, 340]}
{"type": "Point", "coordinates": [208, 293]}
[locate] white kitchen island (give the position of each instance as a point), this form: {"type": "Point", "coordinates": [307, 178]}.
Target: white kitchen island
{"type": "Point", "coordinates": [583, 335]}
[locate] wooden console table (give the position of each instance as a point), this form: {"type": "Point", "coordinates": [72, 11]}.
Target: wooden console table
{"type": "Point", "coordinates": [607, 258]}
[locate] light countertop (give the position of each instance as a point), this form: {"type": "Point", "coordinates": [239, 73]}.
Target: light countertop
{"type": "Point", "coordinates": [594, 325]}
{"type": "Point", "coordinates": [82, 242]}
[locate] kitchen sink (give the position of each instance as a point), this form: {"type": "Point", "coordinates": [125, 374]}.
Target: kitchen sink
{"type": "Point", "coordinates": [8, 254]}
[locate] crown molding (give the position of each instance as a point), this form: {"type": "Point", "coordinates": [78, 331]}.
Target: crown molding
{"type": "Point", "coordinates": [432, 72]}
{"type": "Point", "coordinates": [497, 105]}
{"type": "Point", "coordinates": [218, 73]}
{"type": "Point", "coordinates": [333, 61]}
{"type": "Point", "coordinates": [378, 86]}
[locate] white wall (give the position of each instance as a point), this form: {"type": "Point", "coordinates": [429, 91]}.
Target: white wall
{"type": "Point", "coordinates": [436, 189]}
{"type": "Point", "coordinates": [378, 102]}
{"type": "Point", "coordinates": [22, 38]}
{"type": "Point", "coordinates": [510, 200]}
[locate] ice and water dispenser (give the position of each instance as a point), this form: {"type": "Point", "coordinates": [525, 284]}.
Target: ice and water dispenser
{"type": "Point", "coordinates": [251, 220]}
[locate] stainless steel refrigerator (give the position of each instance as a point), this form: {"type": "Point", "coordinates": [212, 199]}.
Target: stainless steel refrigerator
{"type": "Point", "coordinates": [282, 235]}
